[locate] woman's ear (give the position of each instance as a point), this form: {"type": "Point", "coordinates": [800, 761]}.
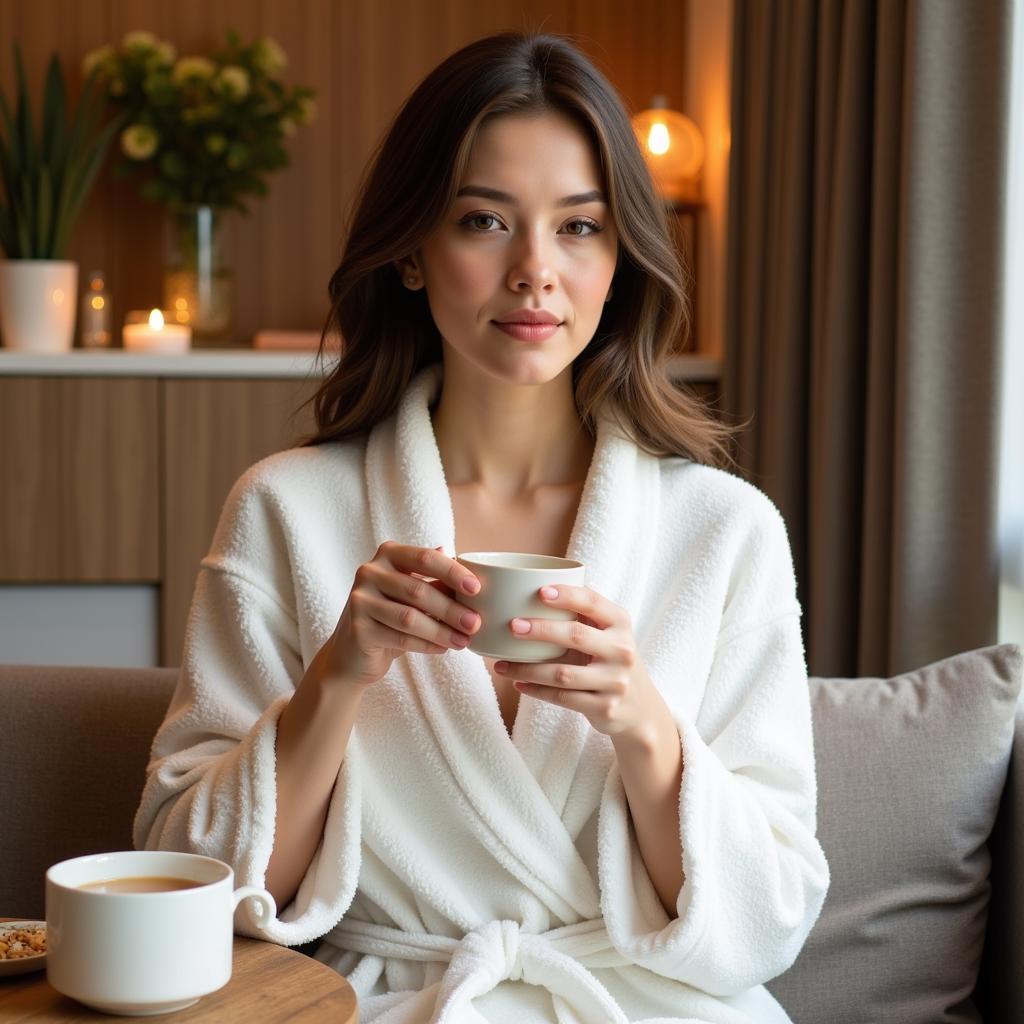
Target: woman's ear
{"type": "Point", "coordinates": [409, 273]}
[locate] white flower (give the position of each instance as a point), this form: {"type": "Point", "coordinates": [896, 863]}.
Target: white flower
{"type": "Point", "coordinates": [234, 81]}
{"type": "Point", "coordinates": [166, 53]}
{"type": "Point", "coordinates": [139, 141]}
{"type": "Point", "coordinates": [139, 40]}
{"type": "Point", "coordinates": [96, 57]}
{"type": "Point", "coordinates": [189, 68]}
{"type": "Point", "coordinates": [307, 110]}
{"type": "Point", "coordinates": [268, 56]}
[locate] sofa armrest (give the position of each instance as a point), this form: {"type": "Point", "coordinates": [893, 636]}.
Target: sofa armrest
{"type": "Point", "coordinates": [1000, 992]}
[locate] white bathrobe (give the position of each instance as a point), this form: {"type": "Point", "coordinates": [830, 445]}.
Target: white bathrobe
{"type": "Point", "coordinates": [466, 876]}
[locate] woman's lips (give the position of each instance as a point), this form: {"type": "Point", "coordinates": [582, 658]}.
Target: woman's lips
{"type": "Point", "coordinates": [528, 332]}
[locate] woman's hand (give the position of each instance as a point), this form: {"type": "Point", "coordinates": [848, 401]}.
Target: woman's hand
{"type": "Point", "coordinates": [601, 675]}
{"type": "Point", "coordinates": [402, 600]}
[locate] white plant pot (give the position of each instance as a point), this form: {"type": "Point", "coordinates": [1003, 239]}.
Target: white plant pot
{"type": "Point", "coordinates": [38, 301]}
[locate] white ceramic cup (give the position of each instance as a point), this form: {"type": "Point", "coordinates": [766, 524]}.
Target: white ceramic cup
{"type": "Point", "coordinates": [142, 953]}
{"type": "Point", "coordinates": [509, 585]}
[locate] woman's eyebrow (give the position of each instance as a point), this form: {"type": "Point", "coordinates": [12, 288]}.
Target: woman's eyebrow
{"type": "Point", "coordinates": [483, 192]}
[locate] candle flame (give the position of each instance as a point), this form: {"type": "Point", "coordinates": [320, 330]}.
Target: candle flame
{"type": "Point", "coordinates": [156, 320]}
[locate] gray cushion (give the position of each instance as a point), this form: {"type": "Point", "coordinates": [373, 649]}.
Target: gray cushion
{"type": "Point", "coordinates": [910, 772]}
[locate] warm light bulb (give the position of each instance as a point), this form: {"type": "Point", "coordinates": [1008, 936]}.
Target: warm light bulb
{"type": "Point", "coordinates": [156, 320]}
{"type": "Point", "coordinates": [657, 138]}
{"type": "Point", "coordinates": [673, 148]}
{"type": "Point", "coordinates": [97, 302]}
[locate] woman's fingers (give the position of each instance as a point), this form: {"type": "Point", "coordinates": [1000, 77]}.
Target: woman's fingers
{"type": "Point", "coordinates": [396, 641]}
{"type": "Point", "coordinates": [429, 597]}
{"type": "Point", "coordinates": [410, 623]}
{"type": "Point", "coordinates": [429, 562]}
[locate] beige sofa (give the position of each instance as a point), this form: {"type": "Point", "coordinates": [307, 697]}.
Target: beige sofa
{"type": "Point", "coordinates": [912, 776]}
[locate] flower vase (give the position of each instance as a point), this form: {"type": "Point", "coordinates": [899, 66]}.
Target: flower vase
{"type": "Point", "coordinates": [198, 279]}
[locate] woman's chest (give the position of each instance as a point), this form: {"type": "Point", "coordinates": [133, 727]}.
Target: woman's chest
{"type": "Point", "coordinates": [541, 526]}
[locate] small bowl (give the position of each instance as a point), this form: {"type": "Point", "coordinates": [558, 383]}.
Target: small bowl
{"type": "Point", "coordinates": [22, 964]}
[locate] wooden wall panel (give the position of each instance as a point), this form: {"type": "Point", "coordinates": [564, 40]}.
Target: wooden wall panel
{"type": "Point", "coordinates": [110, 505]}
{"type": "Point", "coordinates": [640, 46]}
{"type": "Point", "coordinates": [379, 66]}
{"type": "Point", "coordinates": [213, 431]}
{"type": "Point", "coordinates": [31, 542]}
{"type": "Point", "coordinates": [363, 57]}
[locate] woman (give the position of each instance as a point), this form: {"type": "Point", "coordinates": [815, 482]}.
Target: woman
{"type": "Point", "coordinates": [623, 834]}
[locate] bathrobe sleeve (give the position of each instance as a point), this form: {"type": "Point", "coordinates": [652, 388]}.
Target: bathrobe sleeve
{"type": "Point", "coordinates": [210, 785]}
{"type": "Point", "coordinates": [755, 876]}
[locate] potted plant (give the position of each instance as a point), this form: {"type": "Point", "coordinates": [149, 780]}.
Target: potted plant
{"type": "Point", "coordinates": [204, 132]}
{"type": "Point", "coordinates": [46, 177]}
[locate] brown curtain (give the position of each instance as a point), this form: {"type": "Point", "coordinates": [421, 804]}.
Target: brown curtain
{"type": "Point", "coordinates": [864, 294]}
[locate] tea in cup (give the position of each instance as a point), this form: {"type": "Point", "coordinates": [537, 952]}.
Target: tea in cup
{"type": "Point", "coordinates": [142, 932]}
{"type": "Point", "coordinates": [509, 586]}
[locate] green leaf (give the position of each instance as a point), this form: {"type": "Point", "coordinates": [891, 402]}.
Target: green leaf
{"type": "Point", "coordinates": [8, 156]}
{"type": "Point", "coordinates": [80, 180]}
{"type": "Point", "coordinates": [27, 221]}
{"type": "Point", "coordinates": [83, 119]}
{"type": "Point", "coordinates": [9, 126]}
{"type": "Point", "coordinates": [53, 114]}
{"type": "Point", "coordinates": [24, 243]}
{"type": "Point", "coordinates": [7, 238]}
{"type": "Point", "coordinates": [29, 161]}
{"type": "Point", "coordinates": [45, 210]}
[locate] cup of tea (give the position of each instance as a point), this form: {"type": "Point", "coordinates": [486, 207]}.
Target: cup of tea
{"type": "Point", "coordinates": [142, 932]}
{"type": "Point", "coordinates": [509, 585]}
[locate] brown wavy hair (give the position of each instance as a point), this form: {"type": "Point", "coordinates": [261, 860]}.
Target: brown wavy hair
{"type": "Point", "coordinates": [387, 331]}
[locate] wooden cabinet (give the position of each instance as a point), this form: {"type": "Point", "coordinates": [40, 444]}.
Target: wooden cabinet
{"type": "Point", "coordinates": [114, 480]}
{"type": "Point", "coordinates": [79, 479]}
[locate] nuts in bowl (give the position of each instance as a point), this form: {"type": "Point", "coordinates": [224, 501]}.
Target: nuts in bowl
{"type": "Point", "coordinates": [22, 946]}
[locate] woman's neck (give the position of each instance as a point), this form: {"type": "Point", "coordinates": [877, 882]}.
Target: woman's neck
{"type": "Point", "coordinates": [510, 439]}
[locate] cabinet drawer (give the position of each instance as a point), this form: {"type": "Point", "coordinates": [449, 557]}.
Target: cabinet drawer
{"type": "Point", "coordinates": [79, 479]}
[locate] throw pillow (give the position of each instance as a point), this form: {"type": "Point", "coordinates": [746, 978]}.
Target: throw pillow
{"type": "Point", "coordinates": [910, 772]}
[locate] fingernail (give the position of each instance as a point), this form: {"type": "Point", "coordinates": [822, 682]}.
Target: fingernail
{"type": "Point", "coordinates": [469, 620]}
{"type": "Point", "coordinates": [470, 586]}
{"type": "Point", "coordinates": [548, 592]}
{"type": "Point", "coordinates": [501, 666]}
{"type": "Point", "coordinates": [520, 626]}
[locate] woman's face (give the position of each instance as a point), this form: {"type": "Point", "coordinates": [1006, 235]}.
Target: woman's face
{"type": "Point", "coordinates": [537, 240]}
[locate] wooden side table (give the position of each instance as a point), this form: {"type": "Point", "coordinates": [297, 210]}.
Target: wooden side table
{"type": "Point", "coordinates": [268, 983]}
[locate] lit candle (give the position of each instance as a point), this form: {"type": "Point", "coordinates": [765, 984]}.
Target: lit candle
{"type": "Point", "coordinates": [155, 335]}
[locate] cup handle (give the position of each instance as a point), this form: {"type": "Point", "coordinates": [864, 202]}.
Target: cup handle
{"type": "Point", "coordinates": [267, 907]}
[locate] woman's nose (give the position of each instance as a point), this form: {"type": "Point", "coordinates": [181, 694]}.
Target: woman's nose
{"type": "Point", "coordinates": [532, 265]}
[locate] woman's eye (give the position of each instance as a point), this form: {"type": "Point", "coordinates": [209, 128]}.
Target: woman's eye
{"type": "Point", "coordinates": [474, 219]}
{"type": "Point", "coordinates": [593, 225]}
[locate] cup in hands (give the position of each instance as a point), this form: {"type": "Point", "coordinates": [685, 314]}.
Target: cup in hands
{"type": "Point", "coordinates": [142, 932]}
{"type": "Point", "coordinates": [509, 588]}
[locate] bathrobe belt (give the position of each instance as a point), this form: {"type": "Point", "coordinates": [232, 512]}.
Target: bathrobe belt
{"type": "Point", "coordinates": [498, 951]}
